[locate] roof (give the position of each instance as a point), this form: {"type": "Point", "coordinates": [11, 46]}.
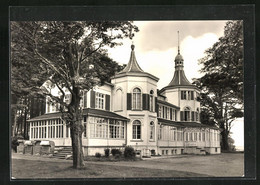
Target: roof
{"type": "Point", "coordinates": [133, 68]}
{"type": "Point", "coordinates": [46, 116]}
{"type": "Point", "coordinates": [185, 124]}
{"type": "Point", "coordinates": [167, 103]}
{"type": "Point", "coordinates": [103, 113]}
{"type": "Point", "coordinates": [179, 78]}
{"type": "Point", "coordinates": [132, 65]}
{"type": "Point", "coordinates": [88, 111]}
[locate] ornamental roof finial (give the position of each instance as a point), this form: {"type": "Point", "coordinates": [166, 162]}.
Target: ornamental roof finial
{"type": "Point", "coordinates": [178, 43]}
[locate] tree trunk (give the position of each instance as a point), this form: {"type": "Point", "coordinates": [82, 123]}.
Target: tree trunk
{"type": "Point", "coordinates": [14, 122]}
{"type": "Point", "coordinates": [76, 129]}
{"type": "Point", "coordinates": [76, 139]}
{"type": "Point", "coordinates": [224, 141]}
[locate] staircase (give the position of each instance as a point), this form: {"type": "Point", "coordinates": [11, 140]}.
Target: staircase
{"type": "Point", "coordinates": [62, 153]}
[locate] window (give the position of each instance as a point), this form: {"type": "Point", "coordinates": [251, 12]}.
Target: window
{"type": "Point", "coordinates": [162, 152]}
{"type": "Point", "coordinates": [190, 136]}
{"type": "Point", "coordinates": [195, 136]}
{"type": "Point", "coordinates": [160, 132]}
{"type": "Point", "coordinates": [160, 111]}
{"type": "Point", "coordinates": [203, 136]}
{"type": "Point", "coordinates": [183, 95]}
{"type": "Point", "coordinates": [187, 95]}
{"type": "Point", "coordinates": [118, 100]}
{"type": "Point", "coordinates": [100, 101]}
{"type": "Point", "coordinates": [186, 114]}
{"type": "Point", "coordinates": [136, 129]}
{"type": "Point", "coordinates": [168, 113]}
{"type": "Point", "coordinates": [151, 130]}
{"type": "Point", "coordinates": [166, 152]}
{"type": "Point", "coordinates": [116, 129]}
{"type": "Point", "coordinates": [137, 99]}
{"type": "Point", "coordinates": [151, 101]}
{"type": "Point", "coordinates": [197, 115]}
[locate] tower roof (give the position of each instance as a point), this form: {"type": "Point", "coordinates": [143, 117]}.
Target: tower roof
{"type": "Point", "coordinates": [133, 69]}
{"type": "Point", "coordinates": [179, 77]}
{"type": "Point", "coordinates": [132, 65]}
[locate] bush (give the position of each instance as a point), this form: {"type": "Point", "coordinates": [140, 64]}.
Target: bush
{"type": "Point", "coordinates": [15, 142]}
{"type": "Point", "coordinates": [98, 155]}
{"type": "Point", "coordinates": [129, 152]}
{"type": "Point", "coordinates": [116, 151]}
{"type": "Point", "coordinates": [107, 151]}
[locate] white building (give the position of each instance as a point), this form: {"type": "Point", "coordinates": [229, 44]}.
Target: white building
{"type": "Point", "coordinates": [132, 111]}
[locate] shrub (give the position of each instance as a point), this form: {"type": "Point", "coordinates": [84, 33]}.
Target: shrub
{"type": "Point", "coordinates": [116, 151]}
{"type": "Point", "coordinates": [98, 155]}
{"type": "Point", "coordinates": [107, 151]}
{"type": "Point", "coordinates": [129, 152]}
{"type": "Point", "coordinates": [15, 142]}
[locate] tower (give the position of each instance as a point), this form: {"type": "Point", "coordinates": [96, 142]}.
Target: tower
{"type": "Point", "coordinates": [181, 92]}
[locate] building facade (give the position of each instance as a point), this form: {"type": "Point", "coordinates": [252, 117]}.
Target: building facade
{"type": "Point", "coordinates": [131, 111]}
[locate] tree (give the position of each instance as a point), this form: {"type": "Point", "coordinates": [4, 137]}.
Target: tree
{"type": "Point", "coordinates": [71, 56]}
{"type": "Point", "coordinates": [222, 82]}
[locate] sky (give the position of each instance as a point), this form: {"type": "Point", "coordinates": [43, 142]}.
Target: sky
{"type": "Point", "coordinates": [156, 46]}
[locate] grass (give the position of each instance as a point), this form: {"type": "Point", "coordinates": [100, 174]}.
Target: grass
{"type": "Point", "coordinates": [32, 169]}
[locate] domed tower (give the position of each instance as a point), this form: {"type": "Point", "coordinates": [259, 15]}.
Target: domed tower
{"type": "Point", "coordinates": [134, 95]}
{"type": "Point", "coordinates": [182, 93]}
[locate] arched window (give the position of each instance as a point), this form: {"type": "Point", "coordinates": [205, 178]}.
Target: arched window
{"type": "Point", "coordinates": [151, 130]}
{"type": "Point", "coordinates": [136, 129]}
{"type": "Point", "coordinates": [187, 114]}
{"type": "Point", "coordinates": [118, 100]}
{"type": "Point", "coordinates": [137, 99]}
{"type": "Point", "coordinates": [151, 101]}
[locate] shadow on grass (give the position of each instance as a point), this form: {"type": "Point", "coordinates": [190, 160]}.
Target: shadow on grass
{"type": "Point", "coordinates": [41, 170]}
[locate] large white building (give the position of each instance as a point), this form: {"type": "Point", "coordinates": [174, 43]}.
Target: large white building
{"type": "Point", "coordinates": [131, 111]}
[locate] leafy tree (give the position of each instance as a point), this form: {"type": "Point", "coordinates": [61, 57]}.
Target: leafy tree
{"type": "Point", "coordinates": [222, 83]}
{"type": "Point", "coordinates": [70, 56]}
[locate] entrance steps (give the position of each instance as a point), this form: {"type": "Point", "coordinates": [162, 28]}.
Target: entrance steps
{"type": "Point", "coordinates": [62, 152]}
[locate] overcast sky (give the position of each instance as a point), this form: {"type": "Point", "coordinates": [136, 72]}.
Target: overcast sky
{"type": "Point", "coordinates": [156, 45]}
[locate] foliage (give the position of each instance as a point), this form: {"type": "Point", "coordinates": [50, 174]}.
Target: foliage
{"type": "Point", "coordinates": [115, 152]}
{"type": "Point", "coordinates": [97, 154]}
{"type": "Point", "coordinates": [129, 152]}
{"type": "Point", "coordinates": [69, 56]}
{"type": "Point", "coordinates": [222, 83]}
{"type": "Point", "coordinates": [14, 142]}
{"type": "Point", "coordinates": [107, 152]}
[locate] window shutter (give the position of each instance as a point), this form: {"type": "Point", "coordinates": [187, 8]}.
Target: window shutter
{"type": "Point", "coordinates": [182, 95]}
{"type": "Point", "coordinates": [129, 101]}
{"type": "Point", "coordinates": [182, 115]}
{"type": "Point", "coordinates": [107, 102]}
{"type": "Point", "coordinates": [156, 105]}
{"type": "Point", "coordinates": [92, 99]}
{"type": "Point", "coordinates": [162, 111]}
{"type": "Point", "coordinates": [148, 101]}
{"type": "Point", "coordinates": [85, 99]}
{"type": "Point", "coordinates": [170, 113]}
{"type": "Point", "coordinates": [192, 95]}
{"type": "Point", "coordinates": [145, 101]}
{"type": "Point", "coordinates": [192, 116]}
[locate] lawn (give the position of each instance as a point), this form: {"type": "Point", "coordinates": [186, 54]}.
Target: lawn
{"type": "Point", "coordinates": [32, 169]}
